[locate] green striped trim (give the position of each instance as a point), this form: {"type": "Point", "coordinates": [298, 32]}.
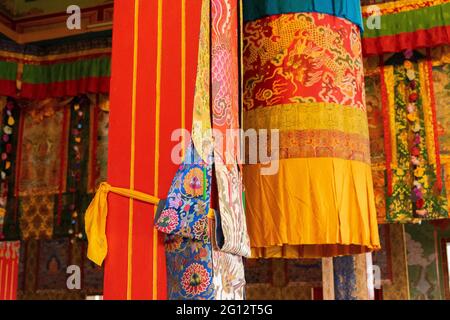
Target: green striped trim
{"type": "Point", "coordinates": [411, 21]}
{"type": "Point", "coordinates": [8, 71]}
{"type": "Point", "coordinates": [60, 72]}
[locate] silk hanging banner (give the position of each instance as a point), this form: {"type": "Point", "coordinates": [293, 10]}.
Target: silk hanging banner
{"type": "Point", "coordinates": [154, 65]}
{"type": "Point", "coordinates": [396, 26]}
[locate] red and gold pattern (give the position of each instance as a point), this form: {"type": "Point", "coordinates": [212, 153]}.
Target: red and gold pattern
{"type": "Point", "coordinates": [305, 57]}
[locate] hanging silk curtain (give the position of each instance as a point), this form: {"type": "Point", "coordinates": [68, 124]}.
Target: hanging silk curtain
{"type": "Point", "coordinates": [303, 76]}
{"type": "Point", "coordinates": [8, 75]}
{"type": "Point", "coordinates": [406, 24]}
{"type": "Point", "coordinates": [66, 78]}
{"type": "Point", "coordinates": [203, 215]}
{"type": "Point", "coordinates": [416, 190]}
{"type": "Point", "coordinates": [55, 69]}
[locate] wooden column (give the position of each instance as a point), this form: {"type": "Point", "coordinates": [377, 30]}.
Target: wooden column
{"type": "Point", "coordinates": [155, 46]}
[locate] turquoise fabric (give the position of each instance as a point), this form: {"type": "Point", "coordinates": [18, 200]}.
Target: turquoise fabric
{"type": "Point", "coordinates": [348, 9]}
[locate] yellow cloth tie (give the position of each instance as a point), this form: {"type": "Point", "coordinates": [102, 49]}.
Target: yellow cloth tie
{"type": "Point", "coordinates": [95, 218]}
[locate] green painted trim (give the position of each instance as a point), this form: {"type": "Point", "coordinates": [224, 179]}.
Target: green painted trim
{"type": "Point", "coordinates": [8, 70]}
{"type": "Point", "coordinates": [60, 72]}
{"type": "Point", "coordinates": [410, 21]}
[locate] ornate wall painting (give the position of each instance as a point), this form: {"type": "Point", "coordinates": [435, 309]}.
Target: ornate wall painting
{"type": "Point", "coordinates": [258, 271]}
{"type": "Point", "coordinates": [398, 289]}
{"type": "Point", "coordinates": [102, 147]}
{"type": "Point", "coordinates": [92, 277]}
{"type": "Point", "coordinates": [377, 144]}
{"type": "Point", "coordinates": [54, 258]}
{"type": "Point", "coordinates": [42, 270]}
{"type": "Point", "coordinates": [282, 279]}
{"type": "Point", "coordinates": [43, 149]}
{"type": "Point", "coordinates": [415, 190]}
{"type": "Point", "coordinates": [383, 258]}
{"type": "Point", "coordinates": [441, 80]}
{"type": "Point", "coordinates": [98, 146]}
{"type": "Point", "coordinates": [422, 262]}
{"type": "Point", "coordinates": [374, 107]}
{"type": "Point", "coordinates": [36, 216]}
{"type": "Point", "coordinates": [304, 272]}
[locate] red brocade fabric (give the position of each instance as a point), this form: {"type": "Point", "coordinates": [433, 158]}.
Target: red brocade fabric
{"type": "Point", "coordinates": [315, 51]}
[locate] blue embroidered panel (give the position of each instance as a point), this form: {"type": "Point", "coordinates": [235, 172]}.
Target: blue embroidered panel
{"type": "Point", "coordinates": [187, 204]}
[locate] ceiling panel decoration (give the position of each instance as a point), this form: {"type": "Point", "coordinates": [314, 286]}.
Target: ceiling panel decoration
{"type": "Point", "coordinates": [19, 9]}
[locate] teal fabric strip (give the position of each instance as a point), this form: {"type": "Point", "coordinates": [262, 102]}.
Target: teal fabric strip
{"type": "Point", "coordinates": [348, 9]}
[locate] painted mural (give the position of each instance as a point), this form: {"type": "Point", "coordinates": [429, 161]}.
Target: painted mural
{"type": "Point", "coordinates": [422, 253]}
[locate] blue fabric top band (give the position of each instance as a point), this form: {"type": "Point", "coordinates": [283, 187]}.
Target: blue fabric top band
{"type": "Point", "coordinates": [348, 9]}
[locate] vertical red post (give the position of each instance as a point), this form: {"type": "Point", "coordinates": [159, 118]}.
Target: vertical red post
{"type": "Point", "coordinates": [155, 47]}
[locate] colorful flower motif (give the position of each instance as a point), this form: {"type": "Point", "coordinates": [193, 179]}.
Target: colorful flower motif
{"type": "Point", "coordinates": [408, 65]}
{"type": "Point", "coordinates": [420, 203]}
{"type": "Point", "coordinates": [200, 208]}
{"type": "Point", "coordinates": [168, 221]}
{"type": "Point", "coordinates": [411, 74]}
{"type": "Point", "coordinates": [417, 193]}
{"type": "Point", "coordinates": [176, 201]}
{"type": "Point", "coordinates": [173, 243]}
{"type": "Point", "coordinates": [417, 139]}
{"type": "Point", "coordinates": [202, 254]}
{"type": "Point", "coordinates": [196, 279]}
{"type": "Point", "coordinates": [200, 228]}
{"type": "Point", "coordinates": [419, 172]}
{"type": "Point", "coordinates": [412, 116]}
{"type": "Point", "coordinates": [422, 213]}
{"type": "Point", "coordinates": [415, 161]}
{"type": "Point", "coordinates": [402, 218]}
{"type": "Point", "coordinates": [415, 151]}
{"type": "Point", "coordinates": [193, 182]}
{"type": "Point", "coordinates": [413, 97]}
{"type": "Point", "coordinates": [417, 127]}
{"type": "Point", "coordinates": [7, 130]}
{"type": "Point", "coordinates": [411, 108]}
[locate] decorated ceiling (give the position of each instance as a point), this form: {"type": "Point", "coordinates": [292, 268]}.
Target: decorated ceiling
{"type": "Point", "coordinates": [18, 9]}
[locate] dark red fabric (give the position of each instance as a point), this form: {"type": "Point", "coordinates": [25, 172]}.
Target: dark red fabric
{"type": "Point", "coordinates": [65, 88]}
{"type": "Point", "coordinates": [7, 88]}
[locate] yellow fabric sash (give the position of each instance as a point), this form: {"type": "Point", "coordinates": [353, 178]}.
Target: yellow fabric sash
{"type": "Point", "coordinates": [95, 218]}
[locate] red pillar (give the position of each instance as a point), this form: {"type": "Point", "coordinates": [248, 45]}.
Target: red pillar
{"type": "Point", "coordinates": [155, 47]}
